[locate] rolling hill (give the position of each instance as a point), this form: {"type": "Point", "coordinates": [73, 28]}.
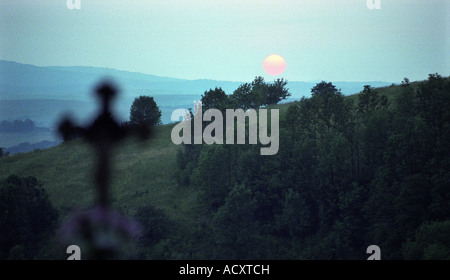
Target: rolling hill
{"type": "Point", "coordinates": [143, 174]}
{"type": "Point", "coordinates": [22, 81]}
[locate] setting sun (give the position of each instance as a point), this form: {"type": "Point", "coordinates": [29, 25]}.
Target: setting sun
{"type": "Point", "coordinates": [274, 65]}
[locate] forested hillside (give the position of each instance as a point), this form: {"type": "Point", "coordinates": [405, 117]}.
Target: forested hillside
{"type": "Point", "coordinates": [350, 172]}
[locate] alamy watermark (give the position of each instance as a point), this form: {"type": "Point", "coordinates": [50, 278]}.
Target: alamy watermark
{"type": "Point", "coordinates": [214, 131]}
{"type": "Point", "coordinates": [375, 252]}
{"type": "Point", "coordinates": [373, 4]}
{"type": "Point", "coordinates": [73, 4]}
{"type": "Point", "coordinates": [75, 252]}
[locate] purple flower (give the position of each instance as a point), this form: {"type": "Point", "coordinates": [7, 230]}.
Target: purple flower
{"type": "Point", "coordinates": [100, 233]}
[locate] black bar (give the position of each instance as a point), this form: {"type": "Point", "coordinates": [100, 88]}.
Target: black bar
{"type": "Point", "coordinates": [228, 269]}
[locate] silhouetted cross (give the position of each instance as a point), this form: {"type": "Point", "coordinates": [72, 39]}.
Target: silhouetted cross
{"type": "Point", "coordinates": [103, 133]}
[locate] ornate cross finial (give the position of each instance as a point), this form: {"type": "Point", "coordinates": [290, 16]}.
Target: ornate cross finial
{"type": "Point", "coordinates": [103, 133]}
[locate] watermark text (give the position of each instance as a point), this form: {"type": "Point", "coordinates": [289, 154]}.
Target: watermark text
{"type": "Point", "coordinates": [373, 4]}
{"type": "Point", "coordinates": [73, 4]}
{"type": "Point", "coordinates": [214, 132]}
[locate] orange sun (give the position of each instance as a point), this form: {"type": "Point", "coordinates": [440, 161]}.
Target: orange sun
{"type": "Point", "coordinates": [274, 64]}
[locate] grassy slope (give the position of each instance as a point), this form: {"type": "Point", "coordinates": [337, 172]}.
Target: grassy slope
{"type": "Point", "coordinates": [143, 173]}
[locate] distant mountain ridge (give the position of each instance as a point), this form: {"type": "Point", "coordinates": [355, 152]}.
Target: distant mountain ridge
{"type": "Point", "coordinates": [44, 94]}
{"type": "Point", "coordinates": [25, 81]}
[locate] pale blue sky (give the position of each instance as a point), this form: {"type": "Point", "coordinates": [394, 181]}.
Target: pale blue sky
{"type": "Point", "coordinates": [334, 40]}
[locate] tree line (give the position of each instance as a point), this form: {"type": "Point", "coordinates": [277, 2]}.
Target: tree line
{"type": "Point", "coordinates": [17, 126]}
{"type": "Point", "coordinates": [350, 172]}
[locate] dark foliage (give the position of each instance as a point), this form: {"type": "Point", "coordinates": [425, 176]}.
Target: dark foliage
{"type": "Point", "coordinates": [259, 93]}
{"type": "Point", "coordinates": [27, 218]}
{"type": "Point", "coordinates": [349, 173]}
{"type": "Point", "coordinates": [144, 112]}
{"type": "Point", "coordinates": [155, 225]}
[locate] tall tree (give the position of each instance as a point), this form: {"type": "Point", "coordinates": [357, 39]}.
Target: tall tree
{"type": "Point", "coordinates": [277, 91]}
{"type": "Point", "coordinates": [242, 97]}
{"type": "Point", "coordinates": [145, 111]}
{"type": "Point", "coordinates": [259, 93]}
{"type": "Point", "coordinates": [215, 99]}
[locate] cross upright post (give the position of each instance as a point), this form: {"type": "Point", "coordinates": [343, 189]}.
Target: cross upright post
{"type": "Point", "coordinates": [103, 134]}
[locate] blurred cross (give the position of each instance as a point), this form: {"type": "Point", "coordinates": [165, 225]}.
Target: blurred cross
{"type": "Point", "coordinates": [103, 133]}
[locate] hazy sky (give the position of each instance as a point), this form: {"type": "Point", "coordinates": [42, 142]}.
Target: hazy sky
{"type": "Point", "coordinates": [334, 40]}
